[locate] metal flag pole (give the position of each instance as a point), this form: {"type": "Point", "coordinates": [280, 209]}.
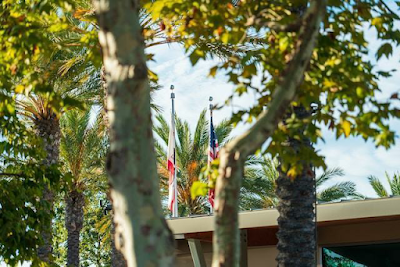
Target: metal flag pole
{"type": "Point", "coordinates": [211, 105]}
{"type": "Point", "coordinates": [209, 161]}
{"type": "Point", "coordinates": [175, 207]}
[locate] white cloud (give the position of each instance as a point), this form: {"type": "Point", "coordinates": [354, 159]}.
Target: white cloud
{"type": "Point", "coordinates": [193, 87]}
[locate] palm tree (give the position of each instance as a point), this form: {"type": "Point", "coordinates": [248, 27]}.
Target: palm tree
{"type": "Point", "coordinates": [44, 118]}
{"type": "Point", "coordinates": [259, 187]}
{"type": "Point", "coordinates": [394, 184]}
{"type": "Point", "coordinates": [70, 83]}
{"type": "Point", "coordinates": [47, 126]}
{"type": "Point", "coordinates": [82, 151]}
{"type": "Point", "coordinates": [191, 158]}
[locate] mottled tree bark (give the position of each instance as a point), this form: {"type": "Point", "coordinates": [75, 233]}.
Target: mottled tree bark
{"type": "Point", "coordinates": [233, 155]}
{"type": "Point", "coordinates": [48, 128]}
{"type": "Point", "coordinates": [117, 258]}
{"type": "Point", "coordinates": [45, 250]}
{"type": "Point", "coordinates": [141, 230]}
{"type": "Point", "coordinates": [75, 202]}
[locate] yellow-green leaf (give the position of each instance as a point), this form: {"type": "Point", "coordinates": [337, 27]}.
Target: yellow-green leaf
{"type": "Point", "coordinates": [283, 43]}
{"type": "Point", "coordinates": [225, 38]}
{"type": "Point", "coordinates": [293, 172]}
{"type": "Point", "coordinates": [213, 71]}
{"type": "Point", "coordinates": [329, 83]}
{"type": "Point", "coordinates": [19, 89]}
{"type": "Point", "coordinates": [198, 189]}
{"type": "Point", "coordinates": [346, 126]}
{"type": "Point", "coordinates": [377, 21]}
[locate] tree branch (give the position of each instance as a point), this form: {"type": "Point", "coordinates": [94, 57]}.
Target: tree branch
{"type": "Point", "coordinates": [290, 80]}
{"type": "Point", "coordinates": [388, 8]}
{"type": "Point", "coordinates": [233, 155]}
{"type": "Point", "coordinates": [294, 26]}
{"type": "Point", "coordinates": [291, 27]}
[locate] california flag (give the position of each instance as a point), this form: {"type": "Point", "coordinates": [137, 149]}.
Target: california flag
{"type": "Point", "coordinates": [171, 166]}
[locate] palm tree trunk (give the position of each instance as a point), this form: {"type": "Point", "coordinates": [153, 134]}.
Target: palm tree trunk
{"type": "Point", "coordinates": [45, 250]}
{"type": "Point", "coordinates": [296, 235]}
{"type": "Point", "coordinates": [49, 131]}
{"type": "Point", "coordinates": [142, 232]}
{"type": "Point", "coordinates": [75, 202]}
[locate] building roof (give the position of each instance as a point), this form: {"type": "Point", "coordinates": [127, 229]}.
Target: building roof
{"type": "Point", "coordinates": [326, 213]}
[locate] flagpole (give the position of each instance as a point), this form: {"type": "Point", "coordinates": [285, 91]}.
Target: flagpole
{"type": "Point", "coordinates": [175, 207]}
{"type": "Point", "coordinates": [209, 162]}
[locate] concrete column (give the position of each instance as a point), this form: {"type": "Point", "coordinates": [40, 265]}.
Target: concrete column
{"type": "Point", "coordinates": [197, 253]}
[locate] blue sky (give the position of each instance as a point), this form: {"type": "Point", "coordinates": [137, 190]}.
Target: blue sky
{"type": "Point", "coordinates": [193, 87]}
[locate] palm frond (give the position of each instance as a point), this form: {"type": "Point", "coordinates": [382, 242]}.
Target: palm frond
{"type": "Point", "coordinates": [223, 130]}
{"type": "Point", "coordinates": [200, 134]}
{"type": "Point", "coordinates": [162, 130]}
{"type": "Point", "coordinates": [329, 174]}
{"type": "Point", "coordinates": [338, 191]}
{"type": "Point", "coordinates": [394, 183]}
{"type": "Point", "coordinates": [83, 146]}
{"type": "Point", "coordinates": [377, 186]}
{"type": "Point", "coordinates": [259, 182]}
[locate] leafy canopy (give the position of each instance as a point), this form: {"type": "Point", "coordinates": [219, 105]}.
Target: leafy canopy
{"type": "Point", "coordinates": [340, 83]}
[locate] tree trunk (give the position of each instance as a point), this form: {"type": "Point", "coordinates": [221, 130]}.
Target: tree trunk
{"type": "Point", "coordinates": [141, 230]}
{"type": "Point", "coordinates": [103, 77]}
{"type": "Point", "coordinates": [49, 131]}
{"type": "Point", "coordinates": [75, 202]}
{"type": "Point", "coordinates": [117, 258]}
{"type": "Point", "coordinates": [226, 243]}
{"type": "Point", "coordinates": [45, 250]}
{"type": "Point", "coordinates": [296, 235]}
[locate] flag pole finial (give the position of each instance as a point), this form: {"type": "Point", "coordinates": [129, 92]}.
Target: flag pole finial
{"type": "Point", "coordinates": [172, 91]}
{"type": "Point", "coordinates": [211, 105]}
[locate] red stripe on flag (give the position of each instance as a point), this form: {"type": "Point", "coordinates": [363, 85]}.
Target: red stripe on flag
{"type": "Point", "coordinates": [211, 194]}
{"type": "Point", "coordinates": [171, 169]}
{"type": "Point", "coordinates": [171, 203]}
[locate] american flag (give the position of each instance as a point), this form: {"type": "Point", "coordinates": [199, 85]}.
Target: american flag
{"type": "Point", "coordinates": [212, 155]}
{"type": "Point", "coordinates": [171, 169]}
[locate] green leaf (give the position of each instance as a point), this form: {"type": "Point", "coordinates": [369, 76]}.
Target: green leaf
{"type": "Point", "coordinates": [386, 49]}
{"type": "Point", "coordinates": [198, 189]}
{"type": "Point", "coordinates": [195, 56]}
